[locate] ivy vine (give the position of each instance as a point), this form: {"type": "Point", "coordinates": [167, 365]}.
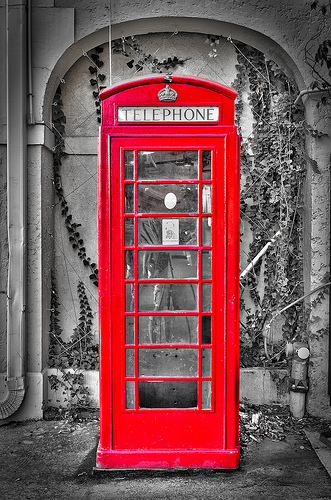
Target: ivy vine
{"type": "Point", "coordinates": [75, 238]}
{"type": "Point", "coordinates": [213, 41]}
{"type": "Point", "coordinates": [79, 353]}
{"type": "Point", "coordinates": [130, 47]}
{"type": "Point", "coordinates": [97, 79]}
{"type": "Point", "coordinates": [272, 163]}
{"type": "Point", "coordinates": [318, 53]}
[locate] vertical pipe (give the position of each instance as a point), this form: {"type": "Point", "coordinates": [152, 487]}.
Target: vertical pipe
{"type": "Point", "coordinates": [31, 120]}
{"type": "Point", "coordinates": [109, 40]}
{"type": "Point", "coordinates": [16, 20]}
{"type": "Point", "coordinates": [329, 367]}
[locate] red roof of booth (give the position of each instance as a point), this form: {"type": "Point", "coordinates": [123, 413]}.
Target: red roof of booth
{"type": "Point", "coordinates": [161, 78]}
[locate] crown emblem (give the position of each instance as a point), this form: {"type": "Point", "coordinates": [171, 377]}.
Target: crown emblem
{"type": "Point", "coordinates": [167, 94]}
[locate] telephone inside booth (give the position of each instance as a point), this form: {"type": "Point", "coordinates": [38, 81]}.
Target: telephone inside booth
{"type": "Point", "coordinates": [168, 275]}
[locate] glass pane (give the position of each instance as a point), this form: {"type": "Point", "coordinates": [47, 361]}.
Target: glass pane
{"type": "Point", "coordinates": [206, 296]}
{"type": "Point", "coordinates": [128, 199]}
{"type": "Point", "coordinates": [206, 198]}
{"type": "Point", "coordinates": [206, 330]}
{"type": "Point", "coordinates": [129, 231]}
{"type": "Point", "coordinates": [128, 165]}
{"type": "Point", "coordinates": [168, 362]}
{"type": "Point", "coordinates": [206, 362]}
{"type": "Point", "coordinates": [167, 165]}
{"type": "Point", "coordinates": [164, 198]}
{"type": "Point", "coordinates": [168, 297]}
{"type": "Point", "coordinates": [168, 330]}
{"type": "Point", "coordinates": [129, 265]}
{"type": "Point", "coordinates": [129, 394]}
{"type": "Point", "coordinates": [168, 394]}
{"type": "Point", "coordinates": [206, 264]}
{"type": "Point", "coordinates": [206, 231]}
{"type": "Point", "coordinates": [150, 231]}
{"type": "Point", "coordinates": [206, 394]}
{"type": "Point", "coordinates": [171, 264]}
{"type": "Point", "coordinates": [206, 165]}
{"type": "Point", "coordinates": [129, 329]}
{"type": "Point", "coordinates": [129, 362]}
{"type": "Point", "coordinates": [129, 297]}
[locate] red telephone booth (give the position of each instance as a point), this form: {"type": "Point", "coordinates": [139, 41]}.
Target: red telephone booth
{"type": "Point", "coordinates": [168, 275]}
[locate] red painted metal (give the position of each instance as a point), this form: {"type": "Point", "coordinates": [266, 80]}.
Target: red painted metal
{"type": "Point", "coordinates": [202, 435]}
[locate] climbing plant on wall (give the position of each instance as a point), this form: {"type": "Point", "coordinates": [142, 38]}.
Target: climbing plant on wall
{"type": "Point", "coordinates": [273, 169]}
{"type": "Point", "coordinates": [318, 51]}
{"type": "Point", "coordinates": [138, 59]}
{"type": "Point", "coordinates": [77, 354]}
{"type": "Point", "coordinates": [75, 238]}
{"type": "Point", "coordinates": [81, 351]}
{"type": "Point", "coordinates": [97, 77]}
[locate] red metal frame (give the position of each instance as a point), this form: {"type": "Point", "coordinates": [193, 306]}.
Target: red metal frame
{"type": "Point", "coordinates": [176, 437]}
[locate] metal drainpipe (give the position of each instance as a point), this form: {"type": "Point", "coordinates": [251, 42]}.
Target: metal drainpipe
{"type": "Point", "coordinates": [31, 120]}
{"type": "Point", "coordinates": [329, 367]}
{"type": "Point", "coordinates": [16, 20]}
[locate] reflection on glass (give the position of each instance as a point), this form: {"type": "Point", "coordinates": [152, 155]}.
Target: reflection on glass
{"type": "Point", "coordinates": [129, 362]}
{"type": "Point", "coordinates": [206, 165]}
{"type": "Point", "coordinates": [150, 231]}
{"type": "Point", "coordinates": [129, 265]}
{"type": "Point", "coordinates": [129, 394]}
{"type": "Point", "coordinates": [128, 199]}
{"type": "Point", "coordinates": [128, 165]}
{"type": "Point", "coordinates": [129, 231]}
{"type": "Point", "coordinates": [206, 231]}
{"type": "Point", "coordinates": [168, 394]}
{"type": "Point", "coordinates": [168, 297]}
{"type": "Point", "coordinates": [159, 165]}
{"type": "Point", "coordinates": [206, 394]}
{"type": "Point", "coordinates": [206, 330]}
{"type": "Point", "coordinates": [206, 264]}
{"type": "Point", "coordinates": [169, 264]}
{"type": "Point", "coordinates": [206, 362]}
{"type": "Point", "coordinates": [151, 198]}
{"type": "Point", "coordinates": [129, 329]}
{"type": "Point", "coordinates": [129, 297]}
{"type": "Point", "coordinates": [168, 330]}
{"type": "Point", "coordinates": [168, 362]}
{"type": "Point", "coordinates": [206, 198]}
{"type": "Point", "coordinates": [206, 296]}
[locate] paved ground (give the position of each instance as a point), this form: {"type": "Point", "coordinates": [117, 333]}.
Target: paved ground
{"type": "Point", "coordinates": [54, 460]}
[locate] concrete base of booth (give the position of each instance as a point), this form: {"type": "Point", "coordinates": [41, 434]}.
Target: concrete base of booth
{"type": "Point", "coordinates": [166, 459]}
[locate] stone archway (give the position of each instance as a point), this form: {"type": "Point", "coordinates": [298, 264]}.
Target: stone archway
{"type": "Point", "coordinates": [83, 145]}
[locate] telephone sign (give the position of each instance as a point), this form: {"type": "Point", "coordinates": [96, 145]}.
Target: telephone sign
{"type": "Point", "coordinates": [168, 275]}
{"type": "Point", "coordinates": [167, 114]}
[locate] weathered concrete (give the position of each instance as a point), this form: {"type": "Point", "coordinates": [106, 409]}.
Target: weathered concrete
{"type": "Point", "coordinates": [258, 386]}
{"type": "Point", "coordinates": [264, 386]}
{"type": "Point", "coordinates": [54, 460]}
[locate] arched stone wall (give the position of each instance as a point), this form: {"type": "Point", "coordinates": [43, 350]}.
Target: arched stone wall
{"type": "Point", "coordinates": [81, 139]}
{"type": "Point", "coordinates": [194, 26]}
